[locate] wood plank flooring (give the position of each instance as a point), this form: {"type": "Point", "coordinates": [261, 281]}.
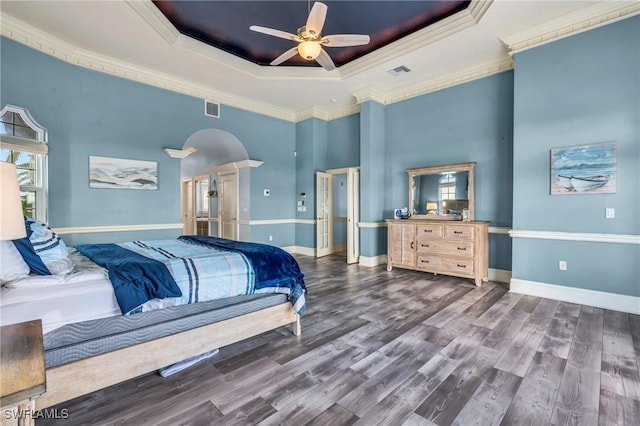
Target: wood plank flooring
{"type": "Point", "coordinates": [400, 348]}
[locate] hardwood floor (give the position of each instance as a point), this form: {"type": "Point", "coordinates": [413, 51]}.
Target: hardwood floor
{"type": "Point", "coordinates": [400, 348]}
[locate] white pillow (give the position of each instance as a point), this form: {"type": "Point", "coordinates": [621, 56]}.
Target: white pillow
{"type": "Point", "coordinates": [12, 265]}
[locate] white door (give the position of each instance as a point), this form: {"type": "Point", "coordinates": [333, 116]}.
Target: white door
{"type": "Point", "coordinates": [227, 206]}
{"type": "Point", "coordinates": [353, 215]}
{"type": "Point", "coordinates": [188, 218]}
{"type": "Point", "coordinates": [201, 204]}
{"type": "Point", "coordinates": [324, 214]}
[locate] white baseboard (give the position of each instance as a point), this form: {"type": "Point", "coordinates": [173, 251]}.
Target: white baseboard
{"type": "Point", "coordinates": [373, 261]}
{"type": "Point", "coordinates": [598, 299]}
{"type": "Point", "coordinates": [307, 251]}
{"type": "Point", "coordinates": [500, 275]}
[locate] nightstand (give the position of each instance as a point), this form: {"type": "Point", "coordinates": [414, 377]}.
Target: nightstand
{"type": "Point", "coordinates": [22, 373]}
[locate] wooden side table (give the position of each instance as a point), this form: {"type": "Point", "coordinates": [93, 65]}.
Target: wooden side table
{"type": "Point", "coordinates": [22, 372]}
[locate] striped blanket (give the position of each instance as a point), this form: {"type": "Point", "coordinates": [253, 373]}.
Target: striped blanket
{"type": "Point", "coordinates": [195, 273]}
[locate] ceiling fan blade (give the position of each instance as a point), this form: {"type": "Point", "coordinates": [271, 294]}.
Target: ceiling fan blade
{"type": "Point", "coordinates": [316, 18]}
{"type": "Point", "coordinates": [325, 60]}
{"type": "Point", "coordinates": [344, 40]}
{"type": "Point", "coordinates": [286, 55]}
{"type": "Point", "coordinates": [275, 33]}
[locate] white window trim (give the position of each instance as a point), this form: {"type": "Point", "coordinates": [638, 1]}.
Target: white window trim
{"type": "Point", "coordinates": [35, 146]}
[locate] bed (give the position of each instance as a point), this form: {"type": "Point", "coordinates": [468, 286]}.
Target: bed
{"type": "Point", "coordinates": [217, 292]}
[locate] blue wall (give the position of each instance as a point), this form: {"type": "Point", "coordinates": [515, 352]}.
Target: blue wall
{"type": "Point", "coordinates": [580, 90]}
{"type": "Point", "coordinates": [91, 113]}
{"type": "Point", "coordinates": [468, 122]}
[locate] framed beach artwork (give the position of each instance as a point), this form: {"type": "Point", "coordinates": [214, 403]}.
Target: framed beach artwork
{"type": "Point", "coordinates": [120, 173]}
{"type": "Point", "coordinates": [585, 169]}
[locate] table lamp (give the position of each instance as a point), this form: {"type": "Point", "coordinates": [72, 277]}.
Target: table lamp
{"type": "Point", "coordinates": [432, 208]}
{"type": "Point", "coordinates": [11, 217]}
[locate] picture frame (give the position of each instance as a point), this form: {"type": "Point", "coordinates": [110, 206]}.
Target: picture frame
{"type": "Point", "coordinates": [584, 169]}
{"type": "Point", "coordinates": [122, 173]}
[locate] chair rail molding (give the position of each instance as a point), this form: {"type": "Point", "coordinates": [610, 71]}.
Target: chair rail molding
{"type": "Point", "coordinates": [115, 228]}
{"type": "Point", "coordinates": [577, 236]}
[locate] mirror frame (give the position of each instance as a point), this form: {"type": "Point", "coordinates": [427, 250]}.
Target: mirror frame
{"type": "Point", "coordinates": [459, 167]}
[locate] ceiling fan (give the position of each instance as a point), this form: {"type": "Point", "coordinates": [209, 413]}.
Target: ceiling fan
{"type": "Point", "coordinates": [310, 40]}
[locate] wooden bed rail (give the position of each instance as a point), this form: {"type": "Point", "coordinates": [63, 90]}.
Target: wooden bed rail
{"type": "Point", "coordinates": [87, 375]}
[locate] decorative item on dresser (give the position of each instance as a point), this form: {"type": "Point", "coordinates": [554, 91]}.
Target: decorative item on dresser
{"type": "Point", "coordinates": [442, 247]}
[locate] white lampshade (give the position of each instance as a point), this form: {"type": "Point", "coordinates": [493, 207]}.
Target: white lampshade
{"type": "Point", "coordinates": [309, 50]}
{"type": "Point", "coordinates": [11, 219]}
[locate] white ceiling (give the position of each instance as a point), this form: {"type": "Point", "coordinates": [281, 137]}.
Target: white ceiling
{"type": "Point", "coordinates": [132, 39]}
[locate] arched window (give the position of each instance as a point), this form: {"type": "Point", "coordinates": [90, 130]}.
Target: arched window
{"type": "Point", "coordinates": [24, 142]}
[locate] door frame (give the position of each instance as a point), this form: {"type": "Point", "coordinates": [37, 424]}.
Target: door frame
{"type": "Point", "coordinates": [236, 201]}
{"type": "Point", "coordinates": [326, 216]}
{"type": "Point", "coordinates": [353, 216]}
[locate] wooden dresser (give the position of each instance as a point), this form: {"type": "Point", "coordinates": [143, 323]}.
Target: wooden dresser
{"type": "Point", "coordinates": [442, 247]}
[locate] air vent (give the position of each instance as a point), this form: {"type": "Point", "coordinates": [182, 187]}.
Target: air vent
{"type": "Point", "coordinates": [211, 109]}
{"type": "Point", "coordinates": [399, 70]}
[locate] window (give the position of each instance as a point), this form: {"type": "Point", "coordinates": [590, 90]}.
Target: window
{"type": "Point", "coordinates": [23, 142]}
{"type": "Point", "coordinates": [447, 187]}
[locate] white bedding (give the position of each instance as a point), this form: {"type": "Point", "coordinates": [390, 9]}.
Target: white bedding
{"type": "Point", "coordinates": [84, 294]}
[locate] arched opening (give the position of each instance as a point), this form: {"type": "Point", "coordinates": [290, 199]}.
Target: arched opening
{"type": "Point", "coordinates": [210, 199]}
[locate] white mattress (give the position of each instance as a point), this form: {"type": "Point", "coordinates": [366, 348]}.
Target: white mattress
{"type": "Point", "coordinates": [84, 294]}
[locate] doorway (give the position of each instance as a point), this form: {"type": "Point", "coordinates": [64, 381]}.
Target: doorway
{"type": "Point", "coordinates": [338, 213]}
{"type": "Point", "coordinates": [228, 205]}
{"type": "Point", "coordinates": [196, 212]}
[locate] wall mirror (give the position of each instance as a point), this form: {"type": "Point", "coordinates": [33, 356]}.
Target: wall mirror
{"type": "Point", "coordinates": [441, 192]}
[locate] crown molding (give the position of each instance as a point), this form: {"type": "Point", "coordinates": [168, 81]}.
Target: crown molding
{"type": "Point", "coordinates": [441, 29]}
{"type": "Point", "coordinates": [369, 93]}
{"type": "Point", "coordinates": [326, 115]}
{"type": "Point", "coordinates": [587, 18]}
{"type": "Point", "coordinates": [34, 38]}
{"type": "Point", "coordinates": [464, 76]}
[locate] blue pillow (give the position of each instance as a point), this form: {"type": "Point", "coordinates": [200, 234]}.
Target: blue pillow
{"type": "Point", "coordinates": [29, 255]}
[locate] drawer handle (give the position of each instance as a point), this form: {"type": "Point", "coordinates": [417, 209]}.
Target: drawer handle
{"type": "Point", "coordinates": [461, 266]}
{"type": "Point", "coordinates": [462, 248]}
{"type": "Point", "coordinates": [457, 232]}
{"type": "Point", "coordinates": [424, 261]}
{"type": "Point", "coordinates": [424, 245]}
{"type": "Point", "coordinates": [428, 230]}
{"type": "Point", "coordinates": [411, 245]}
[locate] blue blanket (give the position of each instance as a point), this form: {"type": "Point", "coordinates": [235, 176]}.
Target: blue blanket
{"type": "Point", "coordinates": [275, 269]}
{"type": "Point", "coordinates": [154, 274]}
{"type": "Point", "coordinates": [136, 279]}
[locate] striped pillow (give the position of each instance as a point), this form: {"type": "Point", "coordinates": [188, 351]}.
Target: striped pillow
{"type": "Point", "coordinates": [49, 247]}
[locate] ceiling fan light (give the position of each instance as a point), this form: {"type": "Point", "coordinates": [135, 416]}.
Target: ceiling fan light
{"type": "Point", "coordinates": [309, 50]}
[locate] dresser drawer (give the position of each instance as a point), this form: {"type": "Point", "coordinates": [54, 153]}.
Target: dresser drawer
{"type": "Point", "coordinates": [429, 230]}
{"type": "Point", "coordinates": [430, 263]}
{"type": "Point", "coordinates": [458, 266]}
{"type": "Point", "coordinates": [458, 232]}
{"type": "Point", "coordinates": [444, 265]}
{"type": "Point", "coordinates": [444, 247]}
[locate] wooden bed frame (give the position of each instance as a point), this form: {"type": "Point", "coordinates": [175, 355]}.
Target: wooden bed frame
{"type": "Point", "coordinates": [87, 375]}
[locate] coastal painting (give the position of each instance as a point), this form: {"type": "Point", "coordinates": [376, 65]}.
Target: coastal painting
{"type": "Point", "coordinates": [586, 169]}
{"type": "Point", "coordinates": [120, 173]}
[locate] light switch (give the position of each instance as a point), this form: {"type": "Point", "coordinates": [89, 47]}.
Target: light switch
{"type": "Point", "coordinates": [610, 213]}
{"type": "Point", "coordinates": [267, 192]}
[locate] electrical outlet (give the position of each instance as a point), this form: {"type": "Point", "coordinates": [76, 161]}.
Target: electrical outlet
{"type": "Point", "coordinates": [270, 237]}
{"type": "Point", "coordinates": [610, 213]}
{"type": "Point", "coordinates": [562, 265]}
